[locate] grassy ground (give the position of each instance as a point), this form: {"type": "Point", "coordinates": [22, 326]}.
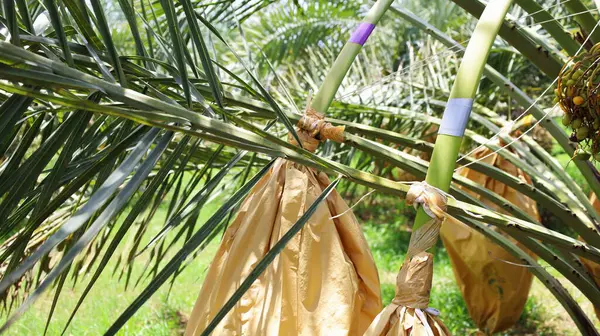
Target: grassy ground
{"type": "Point", "coordinates": [165, 314]}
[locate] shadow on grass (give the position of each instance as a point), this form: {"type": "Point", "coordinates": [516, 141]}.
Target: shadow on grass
{"type": "Point", "coordinates": [174, 322]}
{"type": "Point", "coordinates": [532, 321]}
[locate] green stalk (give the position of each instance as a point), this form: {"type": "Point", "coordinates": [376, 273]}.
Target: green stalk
{"type": "Point", "coordinates": [446, 149]}
{"type": "Point", "coordinates": [326, 93]}
{"type": "Point", "coordinates": [520, 39]}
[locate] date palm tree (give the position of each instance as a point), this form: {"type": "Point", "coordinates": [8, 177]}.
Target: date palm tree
{"type": "Point", "coordinates": [110, 108]}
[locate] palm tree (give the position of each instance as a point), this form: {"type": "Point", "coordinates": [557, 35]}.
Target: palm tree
{"type": "Point", "coordinates": [111, 108]}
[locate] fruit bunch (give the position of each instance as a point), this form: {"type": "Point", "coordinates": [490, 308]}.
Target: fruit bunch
{"type": "Point", "coordinates": [579, 97]}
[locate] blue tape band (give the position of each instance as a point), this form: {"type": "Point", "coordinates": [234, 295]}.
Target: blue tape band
{"type": "Point", "coordinates": [456, 116]}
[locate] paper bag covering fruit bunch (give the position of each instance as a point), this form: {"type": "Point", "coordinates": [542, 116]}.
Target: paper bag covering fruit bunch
{"type": "Point", "coordinates": [324, 282]}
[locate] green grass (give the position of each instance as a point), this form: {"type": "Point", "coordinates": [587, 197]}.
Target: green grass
{"type": "Point", "coordinates": [163, 314]}
{"type": "Point", "coordinates": [386, 226]}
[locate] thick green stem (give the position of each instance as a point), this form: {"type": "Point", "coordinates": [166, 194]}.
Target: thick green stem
{"type": "Point", "coordinates": [447, 146]}
{"type": "Point", "coordinates": [520, 39]}
{"type": "Point", "coordinates": [322, 100]}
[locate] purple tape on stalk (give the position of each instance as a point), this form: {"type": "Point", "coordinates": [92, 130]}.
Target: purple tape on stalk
{"type": "Point", "coordinates": [456, 116]}
{"type": "Point", "coordinates": [362, 33]}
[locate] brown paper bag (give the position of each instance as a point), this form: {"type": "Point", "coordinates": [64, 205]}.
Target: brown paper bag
{"type": "Point", "coordinates": [323, 283]}
{"type": "Point", "coordinates": [494, 291]}
{"type": "Point", "coordinates": [407, 315]}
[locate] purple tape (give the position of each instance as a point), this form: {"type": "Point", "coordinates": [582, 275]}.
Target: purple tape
{"type": "Point", "coordinates": [362, 33]}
